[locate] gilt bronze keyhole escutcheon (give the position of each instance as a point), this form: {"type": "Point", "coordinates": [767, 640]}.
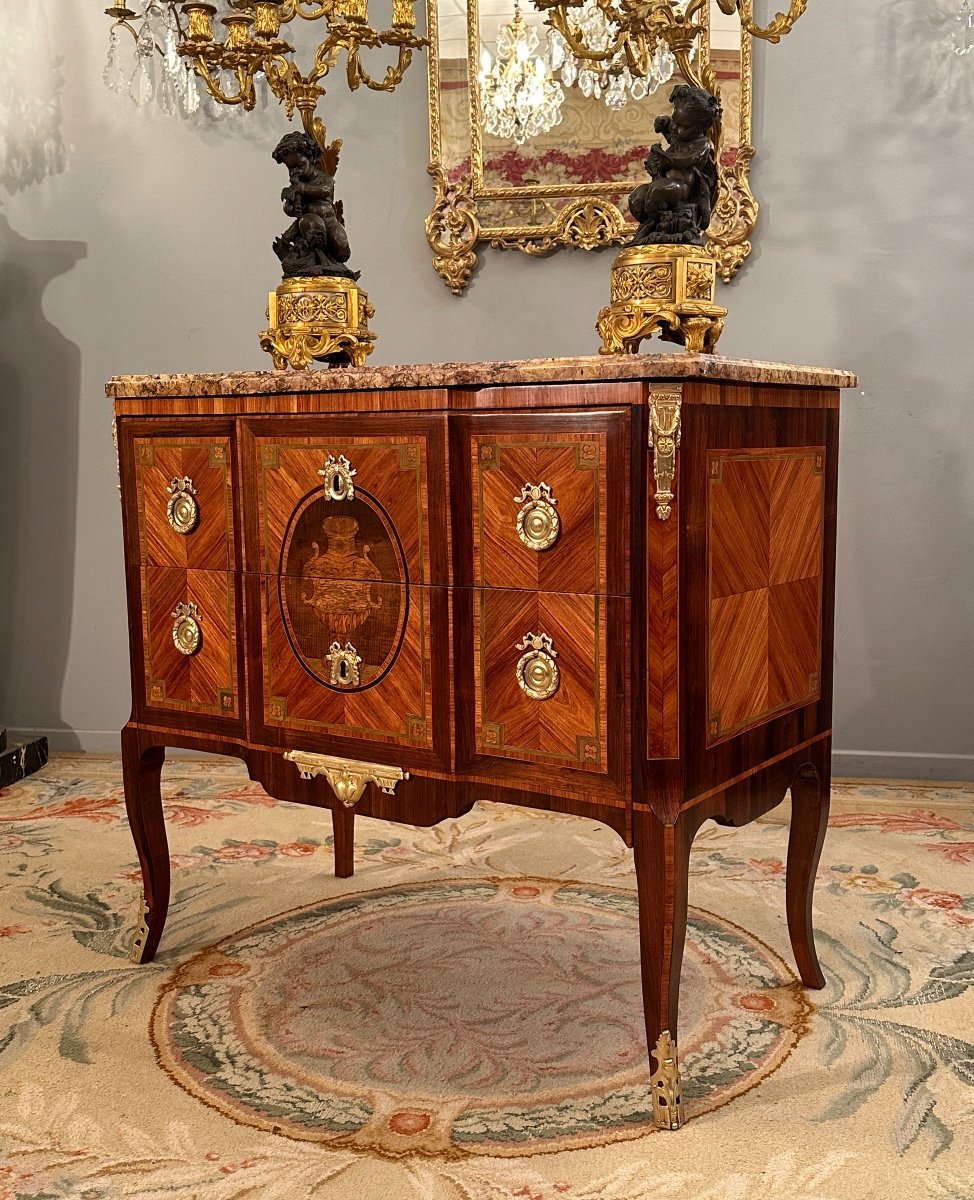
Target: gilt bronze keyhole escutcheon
{"type": "Point", "coordinates": [345, 664]}
{"type": "Point", "coordinates": [337, 474]}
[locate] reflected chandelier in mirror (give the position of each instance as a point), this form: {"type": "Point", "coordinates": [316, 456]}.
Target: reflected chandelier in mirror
{"type": "Point", "coordinates": [567, 185]}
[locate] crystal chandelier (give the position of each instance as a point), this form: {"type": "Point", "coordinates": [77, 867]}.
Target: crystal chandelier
{"type": "Point", "coordinates": [519, 98]}
{"type": "Point", "coordinates": [609, 78]}
{"type": "Point", "coordinates": [612, 37]}
{"type": "Point", "coordinates": [192, 61]}
{"type": "Point", "coordinates": [962, 38]}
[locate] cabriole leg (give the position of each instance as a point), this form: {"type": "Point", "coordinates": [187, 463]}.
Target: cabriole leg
{"type": "Point", "coordinates": [141, 775]}
{"type": "Point", "coordinates": [662, 853]}
{"type": "Point", "coordinates": [809, 818]}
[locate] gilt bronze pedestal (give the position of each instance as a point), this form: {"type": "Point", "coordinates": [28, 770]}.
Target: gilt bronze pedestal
{"type": "Point", "coordinates": [666, 289]}
{"type": "Point", "coordinates": [323, 319]}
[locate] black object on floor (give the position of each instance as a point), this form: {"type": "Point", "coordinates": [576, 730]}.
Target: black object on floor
{"type": "Point", "coordinates": [18, 761]}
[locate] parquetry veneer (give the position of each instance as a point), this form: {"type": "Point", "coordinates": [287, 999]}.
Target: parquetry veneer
{"type": "Point", "coordinates": [600, 586]}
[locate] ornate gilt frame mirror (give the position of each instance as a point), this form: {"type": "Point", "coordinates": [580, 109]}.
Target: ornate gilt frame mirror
{"type": "Point", "coordinates": [567, 186]}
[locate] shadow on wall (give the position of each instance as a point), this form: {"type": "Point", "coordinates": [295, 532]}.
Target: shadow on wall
{"type": "Point", "coordinates": [40, 395]}
{"type": "Point", "coordinates": [31, 82]}
{"type": "Point", "coordinates": [934, 88]}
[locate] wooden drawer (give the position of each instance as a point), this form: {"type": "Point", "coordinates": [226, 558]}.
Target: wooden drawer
{"type": "Point", "coordinates": [184, 501]}
{"type": "Point", "coordinates": [541, 670]}
{"type": "Point", "coordinates": [189, 628]}
{"type": "Point", "coordinates": [372, 667]}
{"type": "Point", "coordinates": [549, 499]}
{"type": "Point", "coordinates": [348, 499]}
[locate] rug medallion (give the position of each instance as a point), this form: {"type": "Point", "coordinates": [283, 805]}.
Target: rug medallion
{"type": "Point", "coordinates": [481, 1016]}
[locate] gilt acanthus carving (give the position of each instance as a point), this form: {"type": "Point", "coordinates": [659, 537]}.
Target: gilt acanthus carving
{"type": "Point", "coordinates": [585, 224]}
{"type": "Point", "coordinates": [453, 229]}
{"type": "Point", "coordinates": [734, 217]}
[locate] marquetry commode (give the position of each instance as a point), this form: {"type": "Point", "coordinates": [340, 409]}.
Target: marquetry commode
{"type": "Point", "coordinates": [599, 585]}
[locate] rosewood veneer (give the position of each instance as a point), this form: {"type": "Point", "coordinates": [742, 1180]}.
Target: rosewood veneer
{"type": "Point", "coordinates": [602, 586]}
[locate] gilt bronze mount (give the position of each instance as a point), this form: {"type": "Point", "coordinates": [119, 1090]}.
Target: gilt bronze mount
{"type": "Point", "coordinates": [347, 777]}
{"type": "Point", "coordinates": [667, 290]}
{"type": "Point", "coordinates": [665, 1082]}
{"type": "Point", "coordinates": [325, 319]}
{"type": "Point", "coordinates": [664, 440]}
{"type": "Point", "coordinates": [537, 672]}
{"type": "Point", "coordinates": [141, 930]}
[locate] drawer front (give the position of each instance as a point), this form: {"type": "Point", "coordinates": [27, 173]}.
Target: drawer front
{"type": "Point", "coordinates": [371, 669]}
{"type": "Point", "coordinates": [189, 630]}
{"type": "Point", "coordinates": [540, 668]}
{"type": "Point", "coordinates": [184, 502]}
{"type": "Point", "coordinates": [549, 501]}
{"type": "Point", "coordinates": [350, 501]}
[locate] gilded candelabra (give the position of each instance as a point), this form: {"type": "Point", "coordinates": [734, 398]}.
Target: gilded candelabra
{"type": "Point", "coordinates": [665, 281]}
{"type": "Point", "coordinates": [641, 27]}
{"type": "Point", "coordinates": [252, 47]}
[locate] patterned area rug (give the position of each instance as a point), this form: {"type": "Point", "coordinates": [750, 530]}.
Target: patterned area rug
{"type": "Point", "coordinates": [462, 1019]}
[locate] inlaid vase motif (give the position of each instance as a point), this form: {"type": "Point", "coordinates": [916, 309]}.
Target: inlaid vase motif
{"type": "Point", "coordinates": [337, 584]}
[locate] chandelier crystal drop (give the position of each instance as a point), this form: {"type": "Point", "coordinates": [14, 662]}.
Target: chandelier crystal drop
{"type": "Point", "coordinates": [609, 44]}
{"type": "Point", "coordinates": [519, 97]}
{"type": "Point", "coordinates": [609, 77]}
{"type": "Point", "coordinates": [144, 61]}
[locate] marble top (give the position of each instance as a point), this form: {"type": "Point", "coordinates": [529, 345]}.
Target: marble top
{"type": "Point", "coordinates": [437, 375]}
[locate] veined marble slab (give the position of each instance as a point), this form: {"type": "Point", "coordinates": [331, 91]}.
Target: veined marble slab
{"type": "Point", "coordinates": [483, 374]}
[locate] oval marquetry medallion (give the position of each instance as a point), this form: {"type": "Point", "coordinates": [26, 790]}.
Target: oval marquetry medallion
{"type": "Point", "coordinates": [343, 583]}
{"type": "Point", "coordinates": [478, 1016]}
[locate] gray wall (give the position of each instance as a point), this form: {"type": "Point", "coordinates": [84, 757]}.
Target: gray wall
{"type": "Point", "coordinates": [151, 253]}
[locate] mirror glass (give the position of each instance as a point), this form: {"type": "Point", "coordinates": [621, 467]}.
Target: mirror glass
{"type": "Point", "coordinates": [538, 189]}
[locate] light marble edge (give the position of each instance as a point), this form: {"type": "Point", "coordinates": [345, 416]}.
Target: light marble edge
{"type": "Point", "coordinates": [617, 368]}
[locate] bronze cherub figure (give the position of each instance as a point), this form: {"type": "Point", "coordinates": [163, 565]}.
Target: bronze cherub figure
{"type": "Point", "coordinates": [675, 208]}
{"type": "Point", "coordinates": [316, 243]}
{"type": "Point", "coordinates": [664, 280]}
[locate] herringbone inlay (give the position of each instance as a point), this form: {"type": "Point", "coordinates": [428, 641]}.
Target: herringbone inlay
{"type": "Point", "coordinates": [573, 466]}
{"type": "Point", "coordinates": [570, 726]}
{"type": "Point", "coordinates": [204, 682]}
{"type": "Point", "coordinates": [765, 525]}
{"type": "Point", "coordinates": [393, 700]}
